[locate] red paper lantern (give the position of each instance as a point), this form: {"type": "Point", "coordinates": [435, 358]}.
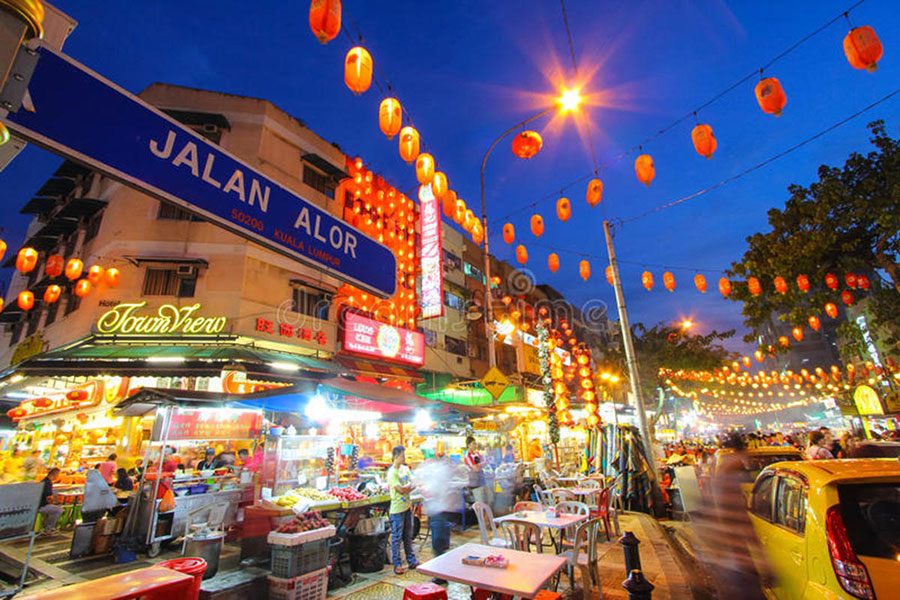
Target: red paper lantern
{"type": "Point", "coordinates": [74, 268]}
{"type": "Point", "coordinates": [537, 225]}
{"type": "Point", "coordinates": [409, 144]}
{"type": "Point", "coordinates": [112, 277]}
{"type": "Point", "coordinates": [770, 96]}
{"type": "Point", "coordinates": [553, 262]}
{"type": "Point", "coordinates": [784, 341]}
{"type": "Point", "coordinates": [831, 310]}
{"type": "Point", "coordinates": [724, 286]}
{"type": "Point", "coordinates": [704, 140]}
{"type": "Point", "coordinates": [325, 19]}
{"type": "Point", "coordinates": [390, 120]}
{"type": "Point", "coordinates": [803, 283]}
{"type": "Point", "coordinates": [594, 192]}
{"type": "Point", "coordinates": [509, 233]}
{"type": "Point", "coordinates": [847, 297]}
{"type": "Point", "coordinates": [26, 260]}
{"type": "Point", "coordinates": [55, 265]}
{"type": "Point", "coordinates": [647, 280]}
{"type": "Point", "coordinates": [358, 70]}
{"type": "Point", "coordinates": [644, 169]}
{"type": "Point", "coordinates": [563, 209]}
{"type": "Point", "coordinates": [82, 288]}
{"type": "Point", "coordinates": [754, 286]}
{"type": "Point", "coordinates": [851, 280]}
{"type": "Point", "coordinates": [861, 280]}
{"type": "Point", "coordinates": [42, 402]}
{"type": "Point", "coordinates": [609, 275]}
{"type": "Point", "coordinates": [77, 395]}
{"type": "Point", "coordinates": [863, 48]}
{"type": "Point", "coordinates": [506, 300]}
{"type": "Point", "coordinates": [25, 300]}
{"type": "Point", "coordinates": [52, 294]}
{"type": "Point", "coordinates": [759, 355]}
{"type": "Point", "coordinates": [747, 362]}
{"type": "Point", "coordinates": [425, 169]}
{"type": "Point", "coordinates": [521, 254]}
{"type": "Point", "coordinates": [814, 322]}
{"type": "Point", "coordinates": [95, 274]}
{"type": "Point", "coordinates": [2, 249]}
{"type": "Point", "coordinates": [584, 269]}
{"type": "Point", "coordinates": [527, 144]}
{"type": "Point", "coordinates": [700, 282]}
{"type": "Point", "coordinates": [798, 334]}
{"type": "Point", "coordinates": [831, 281]}
{"type": "Point", "coordinates": [669, 281]}
{"type": "Point", "coordinates": [781, 285]}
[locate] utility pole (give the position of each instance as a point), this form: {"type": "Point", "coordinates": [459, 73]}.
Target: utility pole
{"type": "Point", "coordinates": [631, 359]}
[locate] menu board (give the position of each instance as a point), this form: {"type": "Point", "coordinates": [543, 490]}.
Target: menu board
{"type": "Point", "coordinates": [214, 424]}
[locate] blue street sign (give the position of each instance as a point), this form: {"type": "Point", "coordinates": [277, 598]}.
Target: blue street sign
{"type": "Point", "coordinates": [84, 117]}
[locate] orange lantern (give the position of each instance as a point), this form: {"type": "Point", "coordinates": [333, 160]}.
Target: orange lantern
{"type": "Point", "coordinates": [553, 262]}
{"type": "Point", "coordinates": [643, 167]}
{"type": "Point", "coordinates": [700, 282]}
{"type": "Point", "coordinates": [495, 280]}
{"type": "Point", "coordinates": [527, 144]}
{"type": "Point", "coordinates": [460, 214]}
{"type": "Point", "coordinates": [409, 144]}
{"type": "Point", "coordinates": [506, 300]}
{"type": "Point", "coordinates": [448, 203]}
{"type": "Point", "coordinates": [851, 280]}
{"type": "Point", "coordinates": [52, 294]}
{"type": "Point", "coordinates": [477, 232]}
{"type": "Point", "coordinates": [2, 249]}
{"type": "Point", "coordinates": [112, 277]}
{"type": "Point", "coordinates": [798, 334]}
{"type": "Point", "coordinates": [74, 268]}
{"type": "Point", "coordinates": [782, 340]}
{"type": "Point", "coordinates": [863, 48]}
{"type": "Point", "coordinates": [54, 266]}
{"type": "Point", "coordinates": [25, 300]}
{"type": "Point", "coordinates": [847, 297]}
{"type": "Point", "coordinates": [594, 192]}
{"type": "Point", "coordinates": [814, 322]}
{"type": "Point", "coordinates": [803, 283]}
{"type": "Point", "coordinates": [439, 184]}
{"type": "Point", "coordinates": [425, 168]}
{"type": "Point", "coordinates": [593, 420]}
{"type": "Point", "coordinates": [469, 220]}
{"type": "Point", "coordinates": [358, 70]}
{"type": "Point", "coordinates": [759, 355]}
{"type": "Point", "coordinates": [831, 281]}
{"type": "Point", "coordinates": [862, 280]}
{"type": "Point", "coordinates": [95, 274]}
{"type": "Point", "coordinates": [724, 286]}
{"type": "Point", "coordinates": [770, 96]}
{"type": "Point", "coordinates": [831, 310]}
{"type": "Point", "coordinates": [1, 303]}
{"type": "Point", "coordinates": [647, 280]}
{"type": "Point", "coordinates": [669, 281]}
{"type": "Point", "coordinates": [609, 275]}
{"type": "Point", "coordinates": [704, 140]}
{"type": "Point", "coordinates": [781, 285]}
{"type": "Point", "coordinates": [26, 260]}
{"type": "Point", "coordinates": [390, 118]}
{"type": "Point", "coordinates": [753, 286]}
{"type": "Point", "coordinates": [82, 288]}
{"type": "Point", "coordinates": [325, 19]}
{"type": "Point", "coordinates": [509, 233]}
{"type": "Point", "coordinates": [521, 254]}
{"type": "Point", "coordinates": [584, 269]}
{"type": "Point", "coordinates": [537, 225]}
{"type": "Point", "coordinates": [563, 209]}
{"type": "Point", "coordinates": [747, 362]}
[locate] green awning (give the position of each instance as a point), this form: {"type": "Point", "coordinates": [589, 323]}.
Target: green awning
{"type": "Point", "coordinates": [471, 396]}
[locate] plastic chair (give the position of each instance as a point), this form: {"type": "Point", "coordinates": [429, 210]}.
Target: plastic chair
{"type": "Point", "coordinates": [526, 505]}
{"type": "Point", "coordinates": [486, 519]}
{"type": "Point", "coordinates": [562, 495]}
{"type": "Point", "coordinates": [584, 556]}
{"type": "Point", "coordinates": [572, 508]}
{"type": "Point", "coordinates": [538, 493]}
{"type": "Point", "coordinates": [424, 591]}
{"type": "Point", "coordinates": [591, 484]}
{"type": "Point", "coordinates": [602, 511]}
{"type": "Point", "coordinates": [522, 535]}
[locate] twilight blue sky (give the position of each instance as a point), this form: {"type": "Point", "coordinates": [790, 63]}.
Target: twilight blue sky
{"type": "Point", "coordinates": [466, 70]}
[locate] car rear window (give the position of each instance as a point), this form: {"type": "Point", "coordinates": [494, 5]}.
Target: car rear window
{"type": "Point", "coordinates": [754, 464]}
{"type": "Point", "coordinates": [871, 513]}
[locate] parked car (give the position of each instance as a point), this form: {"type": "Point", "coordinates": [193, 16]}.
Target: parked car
{"type": "Point", "coordinates": [755, 460]}
{"type": "Point", "coordinates": [830, 529]}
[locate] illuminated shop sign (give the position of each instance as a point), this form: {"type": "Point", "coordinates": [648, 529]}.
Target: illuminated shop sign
{"type": "Point", "coordinates": [430, 254]}
{"type": "Point", "coordinates": [380, 340]}
{"type": "Point", "coordinates": [291, 331]}
{"type": "Point", "coordinates": [213, 424]}
{"type": "Point", "coordinates": [867, 401]}
{"type": "Point", "coordinates": [129, 318]}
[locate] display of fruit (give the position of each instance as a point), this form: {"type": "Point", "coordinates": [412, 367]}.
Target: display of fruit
{"type": "Point", "coordinates": [308, 521]}
{"type": "Point", "coordinates": [347, 494]}
{"type": "Point", "coordinates": [294, 496]}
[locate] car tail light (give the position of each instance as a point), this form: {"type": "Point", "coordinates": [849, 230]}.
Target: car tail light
{"type": "Point", "coordinates": [851, 573]}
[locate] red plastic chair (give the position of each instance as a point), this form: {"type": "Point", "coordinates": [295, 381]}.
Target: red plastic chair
{"type": "Point", "coordinates": [483, 594]}
{"type": "Point", "coordinates": [602, 511]}
{"type": "Point", "coordinates": [424, 591]}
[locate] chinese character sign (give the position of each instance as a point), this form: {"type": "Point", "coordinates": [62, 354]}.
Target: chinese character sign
{"type": "Point", "coordinates": [430, 254]}
{"type": "Point", "coordinates": [214, 424]}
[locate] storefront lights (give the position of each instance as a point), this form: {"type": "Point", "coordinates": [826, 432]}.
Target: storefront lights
{"type": "Point", "coordinates": [422, 421]}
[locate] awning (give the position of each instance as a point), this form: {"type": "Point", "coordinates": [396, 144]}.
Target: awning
{"type": "Point", "coordinates": [39, 205]}
{"type": "Point", "coordinates": [326, 167]}
{"type": "Point", "coordinates": [147, 400]}
{"type": "Point", "coordinates": [77, 208]}
{"type": "Point", "coordinates": [378, 369]}
{"type": "Point", "coordinates": [374, 392]}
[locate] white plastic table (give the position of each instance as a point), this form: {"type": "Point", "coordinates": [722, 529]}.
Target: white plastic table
{"type": "Point", "coordinates": [526, 574]}
{"type": "Point", "coordinates": [540, 518]}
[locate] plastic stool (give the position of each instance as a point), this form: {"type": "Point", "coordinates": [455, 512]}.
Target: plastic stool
{"type": "Point", "coordinates": [424, 591]}
{"type": "Point", "coordinates": [483, 594]}
{"type": "Point", "coordinates": [547, 595]}
{"type": "Point", "coordinates": [189, 566]}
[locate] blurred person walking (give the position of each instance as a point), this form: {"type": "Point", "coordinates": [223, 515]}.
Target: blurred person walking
{"type": "Point", "coordinates": [440, 482]}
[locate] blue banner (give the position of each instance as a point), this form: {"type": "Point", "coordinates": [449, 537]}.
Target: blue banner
{"type": "Point", "coordinates": [81, 116]}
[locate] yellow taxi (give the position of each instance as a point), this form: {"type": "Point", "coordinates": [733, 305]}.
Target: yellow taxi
{"type": "Point", "coordinates": [830, 529]}
{"type": "Point", "coordinates": [754, 460]}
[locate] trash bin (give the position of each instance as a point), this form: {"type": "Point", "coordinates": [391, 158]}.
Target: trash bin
{"type": "Point", "coordinates": [207, 546]}
{"type": "Point", "coordinates": [367, 552]}
{"type": "Point", "coordinates": [189, 566]}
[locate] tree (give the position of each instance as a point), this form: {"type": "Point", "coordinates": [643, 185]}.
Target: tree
{"type": "Point", "coordinates": [847, 222]}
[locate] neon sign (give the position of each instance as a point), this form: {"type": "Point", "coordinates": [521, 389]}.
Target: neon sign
{"type": "Point", "coordinates": [380, 340]}
{"type": "Point", "coordinates": [169, 319]}
{"type": "Point", "coordinates": [431, 260]}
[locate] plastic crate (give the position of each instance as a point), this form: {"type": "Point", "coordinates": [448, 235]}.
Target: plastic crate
{"type": "Point", "coordinates": [292, 561]}
{"type": "Point", "coordinates": [293, 539]}
{"type": "Point", "coordinates": [312, 586]}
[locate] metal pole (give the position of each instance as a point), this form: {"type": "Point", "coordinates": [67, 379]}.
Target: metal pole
{"type": "Point", "coordinates": [488, 300]}
{"type": "Point", "coordinates": [630, 357]}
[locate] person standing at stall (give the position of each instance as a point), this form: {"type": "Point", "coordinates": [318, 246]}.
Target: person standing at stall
{"type": "Point", "coordinates": [399, 480]}
{"type": "Point", "coordinates": [51, 512]}
{"type": "Point", "coordinates": [108, 469]}
{"type": "Point", "coordinates": [475, 463]}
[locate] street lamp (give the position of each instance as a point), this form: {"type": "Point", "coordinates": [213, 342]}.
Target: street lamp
{"type": "Point", "coordinates": [567, 102]}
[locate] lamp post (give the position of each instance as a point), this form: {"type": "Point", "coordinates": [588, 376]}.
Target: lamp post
{"type": "Point", "coordinates": [569, 100]}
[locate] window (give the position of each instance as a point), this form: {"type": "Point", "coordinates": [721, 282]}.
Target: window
{"type": "Point", "coordinates": [170, 212]}
{"type": "Point", "coordinates": [312, 303]}
{"type": "Point", "coordinates": [790, 504]}
{"type": "Point", "coordinates": [318, 181]}
{"type": "Point", "coordinates": [455, 346]}
{"type": "Point", "coordinates": [870, 514]}
{"type": "Point", "coordinates": [451, 261]}
{"type": "Point", "coordinates": [93, 227]}
{"type": "Point", "coordinates": [453, 300]}
{"type": "Point", "coordinates": [431, 338]}
{"type": "Point", "coordinates": [167, 282]}
{"type": "Point", "coordinates": [761, 500]}
{"type": "Point", "coordinates": [51, 313]}
{"type": "Point", "coordinates": [16, 333]}
{"type": "Point", "coordinates": [473, 272]}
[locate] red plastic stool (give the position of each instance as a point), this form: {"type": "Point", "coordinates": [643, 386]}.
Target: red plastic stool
{"type": "Point", "coordinates": [189, 566]}
{"type": "Point", "coordinates": [424, 591]}
{"type": "Point", "coordinates": [483, 594]}
{"type": "Point", "coordinates": [547, 595]}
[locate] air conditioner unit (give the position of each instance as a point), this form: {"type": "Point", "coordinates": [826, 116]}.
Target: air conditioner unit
{"type": "Point", "coordinates": [186, 270]}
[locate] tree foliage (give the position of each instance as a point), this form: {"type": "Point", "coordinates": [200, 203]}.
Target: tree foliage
{"type": "Point", "coordinates": [847, 221]}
